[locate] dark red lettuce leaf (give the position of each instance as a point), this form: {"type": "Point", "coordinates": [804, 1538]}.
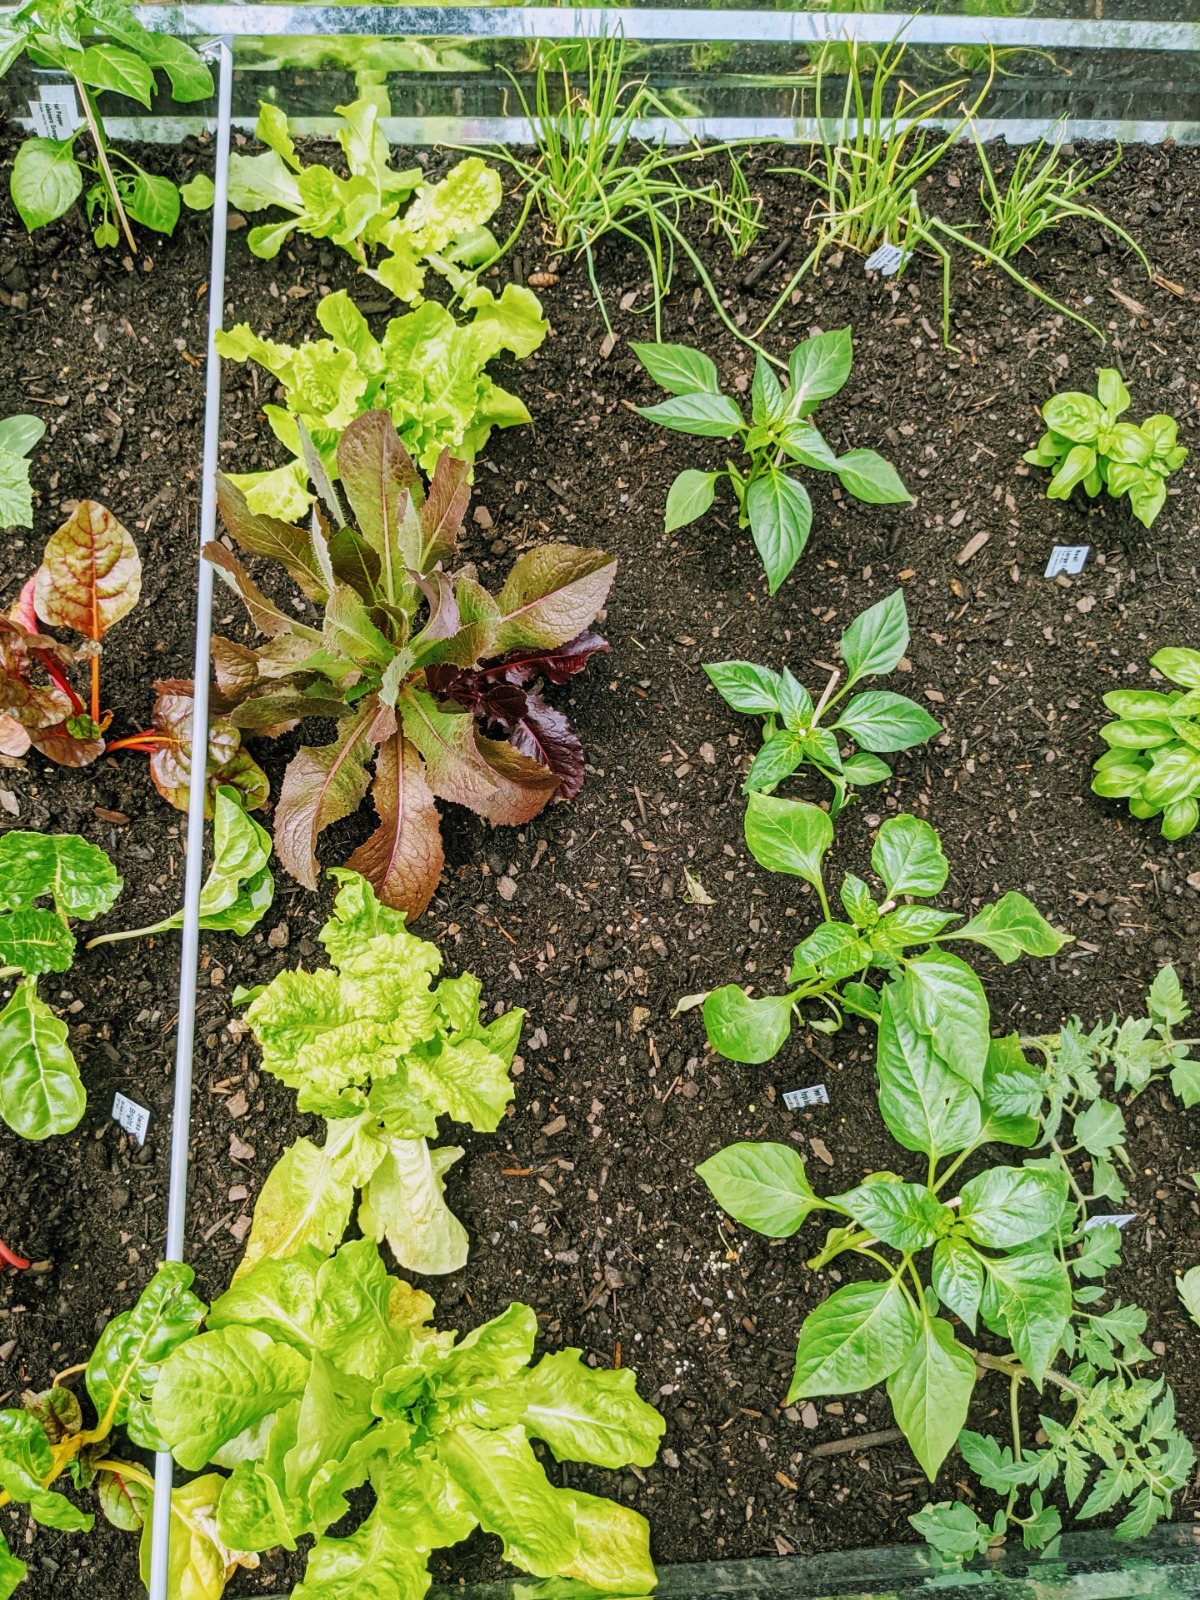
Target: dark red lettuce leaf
{"type": "Point", "coordinates": [556, 666]}
{"type": "Point", "coordinates": [545, 734]}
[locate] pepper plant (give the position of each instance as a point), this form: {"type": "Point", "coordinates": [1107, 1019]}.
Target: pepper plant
{"type": "Point", "coordinates": [1085, 444]}
{"type": "Point", "coordinates": [103, 47]}
{"type": "Point", "coordinates": [1015, 1248]}
{"type": "Point", "coordinates": [443, 225]}
{"type": "Point", "coordinates": [427, 371]}
{"type": "Point", "coordinates": [18, 435]}
{"type": "Point", "coordinates": [319, 1376]}
{"type": "Point", "coordinates": [423, 671]}
{"type": "Point", "coordinates": [794, 735]}
{"type": "Point", "coordinates": [933, 992]}
{"type": "Point", "coordinates": [377, 1051]}
{"type": "Point", "coordinates": [1153, 759]}
{"type": "Point", "coordinates": [40, 1088]}
{"type": "Point", "coordinates": [774, 505]}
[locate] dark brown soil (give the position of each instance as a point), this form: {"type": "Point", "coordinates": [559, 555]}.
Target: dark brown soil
{"type": "Point", "coordinates": [587, 1204]}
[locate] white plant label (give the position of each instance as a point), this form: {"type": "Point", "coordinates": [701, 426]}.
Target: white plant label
{"type": "Point", "coordinates": [127, 1114]}
{"type": "Point", "coordinates": [1068, 558]}
{"type": "Point", "coordinates": [817, 1095]}
{"type": "Point", "coordinates": [1119, 1219]}
{"type": "Point", "coordinates": [56, 114]}
{"type": "Point", "coordinates": [888, 260]}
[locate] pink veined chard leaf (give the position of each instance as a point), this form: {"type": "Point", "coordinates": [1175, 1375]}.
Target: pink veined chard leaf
{"type": "Point", "coordinates": [229, 763]}
{"type": "Point", "coordinates": [14, 738]}
{"type": "Point", "coordinates": [91, 574]}
{"type": "Point", "coordinates": [403, 858]}
{"type": "Point", "coordinates": [24, 610]}
{"type": "Point", "coordinates": [22, 652]}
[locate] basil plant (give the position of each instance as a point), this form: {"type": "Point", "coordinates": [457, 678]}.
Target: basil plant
{"type": "Point", "coordinates": [1085, 444]}
{"type": "Point", "coordinates": [1153, 755]}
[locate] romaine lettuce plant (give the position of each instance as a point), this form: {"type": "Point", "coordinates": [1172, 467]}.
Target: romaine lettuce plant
{"type": "Point", "coordinates": [317, 1376]}
{"type": "Point", "coordinates": [40, 1089]}
{"type": "Point", "coordinates": [425, 672]}
{"type": "Point", "coordinates": [375, 1049]}
{"type": "Point", "coordinates": [444, 227]}
{"type": "Point", "coordinates": [933, 993]}
{"type": "Point", "coordinates": [90, 577]}
{"type": "Point", "coordinates": [1153, 759]}
{"type": "Point", "coordinates": [1015, 1248]}
{"type": "Point", "coordinates": [1085, 444]}
{"type": "Point", "coordinates": [773, 504]}
{"type": "Point", "coordinates": [103, 46]}
{"type": "Point", "coordinates": [46, 1437]}
{"type": "Point", "coordinates": [427, 372]}
{"type": "Point", "coordinates": [793, 733]}
{"type": "Point", "coordinates": [18, 435]}
{"type": "Point", "coordinates": [239, 888]}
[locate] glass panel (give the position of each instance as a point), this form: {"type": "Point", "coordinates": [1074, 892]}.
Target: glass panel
{"type": "Point", "coordinates": [1083, 1566]}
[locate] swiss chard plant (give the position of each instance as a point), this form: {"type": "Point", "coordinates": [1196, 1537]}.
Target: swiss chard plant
{"type": "Point", "coordinates": [167, 742]}
{"type": "Point", "coordinates": [103, 47]}
{"type": "Point", "coordinates": [90, 577]}
{"type": "Point", "coordinates": [426, 673]}
{"type": "Point", "coordinates": [370, 1045]}
{"type": "Point", "coordinates": [239, 888]}
{"type": "Point", "coordinates": [318, 1376]}
{"type": "Point", "coordinates": [47, 1437]}
{"type": "Point", "coordinates": [1153, 755]}
{"type": "Point", "coordinates": [1086, 444]}
{"type": "Point", "coordinates": [799, 734]}
{"type": "Point", "coordinates": [40, 1089]}
{"type": "Point", "coordinates": [18, 435]}
{"type": "Point", "coordinates": [443, 226]}
{"type": "Point", "coordinates": [780, 435]}
{"type": "Point", "coordinates": [427, 372]}
{"type": "Point", "coordinates": [1014, 1248]}
{"type": "Point", "coordinates": [929, 989]}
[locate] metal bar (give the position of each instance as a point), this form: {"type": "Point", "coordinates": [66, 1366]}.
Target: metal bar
{"type": "Point", "coordinates": [589, 22]}
{"type": "Point", "coordinates": [190, 946]}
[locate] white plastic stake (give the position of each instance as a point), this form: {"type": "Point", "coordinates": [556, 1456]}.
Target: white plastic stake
{"type": "Point", "coordinates": [194, 878]}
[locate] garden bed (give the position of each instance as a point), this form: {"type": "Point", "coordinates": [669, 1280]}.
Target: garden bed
{"type": "Point", "coordinates": [586, 1204]}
